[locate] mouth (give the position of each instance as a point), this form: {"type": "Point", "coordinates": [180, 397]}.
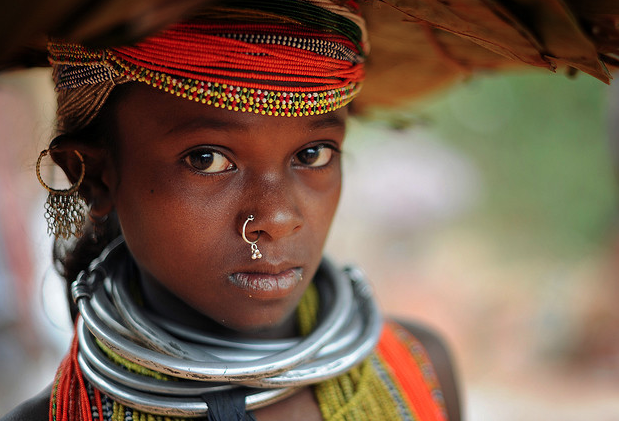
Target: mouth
{"type": "Point", "coordinates": [265, 285]}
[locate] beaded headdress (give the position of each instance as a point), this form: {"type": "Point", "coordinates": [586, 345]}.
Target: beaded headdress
{"type": "Point", "coordinates": [271, 57]}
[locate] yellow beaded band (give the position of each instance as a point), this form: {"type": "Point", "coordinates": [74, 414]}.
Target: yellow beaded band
{"type": "Point", "coordinates": [268, 57]}
{"type": "Point", "coordinates": [105, 65]}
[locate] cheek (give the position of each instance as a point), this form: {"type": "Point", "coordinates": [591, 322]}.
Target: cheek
{"type": "Point", "coordinates": [331, 202]}
{"type": "Point", "coordinates": [168, 224]}
{"type": "Point", "coordinates": [321, 206]}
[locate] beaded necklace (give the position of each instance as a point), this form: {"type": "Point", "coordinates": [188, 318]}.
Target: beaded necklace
{"type": "Point", "coordinates": [376, 390]}
{"type": "Point", "coordinates": [397, 382]}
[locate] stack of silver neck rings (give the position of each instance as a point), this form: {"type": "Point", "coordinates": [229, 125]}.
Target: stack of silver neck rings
{"type": "Point", "coordinates": [348, 329]}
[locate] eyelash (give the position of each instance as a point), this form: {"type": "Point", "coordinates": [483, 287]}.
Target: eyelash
{"type": "Point", "coordinates": [216, 156]}
{"type": "Point", "coordinates": [185, 159]}
{"type": "Point", "coordinates": [335, 150]}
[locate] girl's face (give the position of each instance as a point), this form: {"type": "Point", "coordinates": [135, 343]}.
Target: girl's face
{"type": "Point", "coordinates": [187, 178]}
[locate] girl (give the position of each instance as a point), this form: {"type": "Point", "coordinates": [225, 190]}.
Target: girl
{"type": "Point", "coordinates": [208, 157]}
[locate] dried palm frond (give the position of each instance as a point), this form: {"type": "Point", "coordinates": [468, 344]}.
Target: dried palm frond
{"type": "Point", "coordinates": [421, 45]}
{"type": "Point", "coordinates": [418, 46]}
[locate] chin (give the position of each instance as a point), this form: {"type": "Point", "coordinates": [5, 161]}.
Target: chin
{"type": "Point", "coordinates": [263, 324]}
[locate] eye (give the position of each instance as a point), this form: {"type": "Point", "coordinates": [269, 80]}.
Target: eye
{"type": "Point", "coordinates": [315, 156]}
{"type": "Point", "coordinates": [208, 161]}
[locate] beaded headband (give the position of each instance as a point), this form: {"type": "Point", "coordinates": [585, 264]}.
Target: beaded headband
{"type": "Point", "coordinates": [272, 57]}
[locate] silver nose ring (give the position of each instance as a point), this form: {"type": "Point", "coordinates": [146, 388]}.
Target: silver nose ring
{"type": "Point", "coordinates": [255, 253]}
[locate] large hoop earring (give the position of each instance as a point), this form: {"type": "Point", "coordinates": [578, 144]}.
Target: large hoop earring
{"type": "Point", "coordinates": [65, 210]}
{"type": "Point", "coordinates": [255, 253]}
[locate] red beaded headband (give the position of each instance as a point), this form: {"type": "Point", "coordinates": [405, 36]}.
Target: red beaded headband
{"type": "Point", "coordinates": [307, 60]}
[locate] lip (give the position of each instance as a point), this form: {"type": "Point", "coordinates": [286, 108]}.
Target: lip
{"type": "Point", "coordinates": [267, 285]}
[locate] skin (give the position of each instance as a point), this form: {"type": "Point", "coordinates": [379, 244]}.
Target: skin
{"type": "Point", "coordinates": [187, 178]}
{"type": "Point", "coordinates": [183, 226]}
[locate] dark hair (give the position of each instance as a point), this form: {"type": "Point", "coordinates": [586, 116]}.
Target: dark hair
{"type": "Point", "coordinates": [75, 255]}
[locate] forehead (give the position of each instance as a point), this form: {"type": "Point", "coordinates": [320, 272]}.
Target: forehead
{"type": "Point", "coordinates": [144, 105]}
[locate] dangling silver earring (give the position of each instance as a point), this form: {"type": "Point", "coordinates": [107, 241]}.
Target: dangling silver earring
{"type": "Point", "coordinates": [65, 210]}
{"type": "Point", "coordinates": [255, 253]}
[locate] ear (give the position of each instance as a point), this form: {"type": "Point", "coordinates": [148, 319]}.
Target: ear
{"type": "Point", "coordinates": [95, 187]}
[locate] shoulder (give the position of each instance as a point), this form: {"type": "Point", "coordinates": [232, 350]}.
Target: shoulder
{"type": "Point", "coordinates": [35, 409]}
{"type": "Point", "coordinates": [441, 359]}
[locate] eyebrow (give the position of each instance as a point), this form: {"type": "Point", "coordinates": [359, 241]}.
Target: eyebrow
{"type": "Point", "coordinates": [328, 121]}
{"type": "Point", "coordinates": [205, 123]}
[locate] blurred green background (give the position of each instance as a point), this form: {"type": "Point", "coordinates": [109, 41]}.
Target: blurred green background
{"type": "Point", "coordinates": [541, 144]}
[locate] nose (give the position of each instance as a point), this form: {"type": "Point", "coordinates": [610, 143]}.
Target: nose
{"type": "Point", "coordinates": [275, 207]}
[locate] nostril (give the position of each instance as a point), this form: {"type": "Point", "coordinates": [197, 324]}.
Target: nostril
{"type": "Point", "coordinates": [275, 210]}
